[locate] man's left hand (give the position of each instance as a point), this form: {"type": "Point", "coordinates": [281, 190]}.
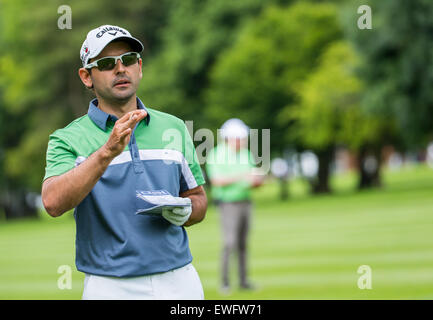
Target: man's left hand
{"type": "Point", "coordinates": [178, 215]}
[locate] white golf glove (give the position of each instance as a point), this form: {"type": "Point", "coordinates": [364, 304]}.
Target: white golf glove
{"type": "Point", "coordinates": [178, 215]}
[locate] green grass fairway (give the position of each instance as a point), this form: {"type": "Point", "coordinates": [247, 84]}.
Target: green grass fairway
{"type": "Point", "coordinates": [304, 248]}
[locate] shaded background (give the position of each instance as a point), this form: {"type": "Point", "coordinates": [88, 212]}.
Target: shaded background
{"type": "Point", "coordinates": [350, 112]}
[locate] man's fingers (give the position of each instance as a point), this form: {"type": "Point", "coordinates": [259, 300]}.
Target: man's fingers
{"type": "Point", "coordinates": [139, 115]}
{"type": "Point", "coordinates": [125, 133]}
{"type": "Point", "coordinates": [125, 117]}
{"type": "Point", "coordinates": [135, 118]}
{"type": "Point", "coordinates": [123, 127]}
{"type": "Point", "coordinates": [131, 118]}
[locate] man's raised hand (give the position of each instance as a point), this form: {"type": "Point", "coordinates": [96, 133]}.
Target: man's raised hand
{"type": "Point", "coordinates": [121, 134]}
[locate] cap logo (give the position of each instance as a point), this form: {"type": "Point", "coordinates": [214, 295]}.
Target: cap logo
{"type": "Point", "coordinates": [85, 53]}
{"type": "Point", "coordinates": [108, 29]}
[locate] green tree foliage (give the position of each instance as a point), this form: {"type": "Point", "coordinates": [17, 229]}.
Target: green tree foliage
{"type": "Point", "coordinates": [197, 32]}
{"type": "Point", "coordinates": [398, 53]}
{"type": "Point", "coordinates": [39, 71]}
{"type": "Point", "coordinates": [256, 78]}
{"type": "Point", "coordinates": [211, 60]}
{"type": "Point", "coordinates": [39, 81]}
{"type": "Point", "coordinates": [329, 113]}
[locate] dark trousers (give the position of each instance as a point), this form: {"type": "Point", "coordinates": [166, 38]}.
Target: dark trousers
{"type": "Point", "coordinates": [235, 223]}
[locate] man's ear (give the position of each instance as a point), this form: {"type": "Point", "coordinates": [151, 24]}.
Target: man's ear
{"type": "Point", "coordinates": [85, 77]}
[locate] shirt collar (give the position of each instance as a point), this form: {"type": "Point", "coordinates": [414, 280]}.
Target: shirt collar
{"type": "Point", "coordinates": [100, 118]}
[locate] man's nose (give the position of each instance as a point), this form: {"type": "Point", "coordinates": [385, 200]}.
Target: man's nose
{"type": "Point", "coordinates": [119, 68]}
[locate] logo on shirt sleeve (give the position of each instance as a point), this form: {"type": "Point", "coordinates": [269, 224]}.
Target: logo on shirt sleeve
{"type": "Point", "coordinates": [79, 160]}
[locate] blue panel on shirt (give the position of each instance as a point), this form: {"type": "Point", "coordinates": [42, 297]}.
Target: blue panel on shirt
{"type": "Point", "coordinates": [114, 241]}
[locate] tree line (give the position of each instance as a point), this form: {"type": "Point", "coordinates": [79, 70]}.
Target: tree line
{"type": "Point", "coordinates": [301, 68]}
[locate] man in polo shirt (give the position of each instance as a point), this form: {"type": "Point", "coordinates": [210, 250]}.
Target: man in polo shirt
{"type": "Point", "coordinates": [99, 163]}
{"type": "Point", "coordinates": [231, 170]}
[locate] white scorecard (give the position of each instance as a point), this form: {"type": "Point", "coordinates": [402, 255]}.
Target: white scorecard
{"type": "Point", "coordinates": [155, 201]}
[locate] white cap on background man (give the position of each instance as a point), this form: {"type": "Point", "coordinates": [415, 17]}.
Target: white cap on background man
{"type": "Point", "coordinates": [234, 128]}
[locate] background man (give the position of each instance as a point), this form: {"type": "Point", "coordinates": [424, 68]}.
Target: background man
{"type": "Point", "coordinates": [230, 167]}
{"type": "Point", "coordinates": [99, 162]}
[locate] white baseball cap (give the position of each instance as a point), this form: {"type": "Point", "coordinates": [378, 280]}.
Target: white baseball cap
{"type": "Point", "coordinates": [234, 128]}
{"type": "Point", "coordinates": [98, 38]}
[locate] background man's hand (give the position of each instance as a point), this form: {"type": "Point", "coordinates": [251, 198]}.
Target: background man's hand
{"type": "Point", "coordinates": [256, 178]}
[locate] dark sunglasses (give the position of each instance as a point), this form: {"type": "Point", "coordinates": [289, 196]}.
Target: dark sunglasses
{"type": "Point", "coordinates": [108, 63]}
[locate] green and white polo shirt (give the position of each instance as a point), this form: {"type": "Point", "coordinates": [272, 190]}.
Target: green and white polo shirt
{"type": "Point", "coordinates": [111, 239]}
{"type": "Point", "coordinates": [223, 162]}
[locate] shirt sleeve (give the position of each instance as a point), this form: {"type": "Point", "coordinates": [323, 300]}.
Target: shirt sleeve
{"type": "Point", "coordinates": [192, 175]}
{"type": "Point", "coordinates": [60, 157]}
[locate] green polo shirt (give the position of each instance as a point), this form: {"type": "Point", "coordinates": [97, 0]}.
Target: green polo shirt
{"type": "Point", "coordinates": [111, 238]}
{"type": "Point", "coordinates": [224, 162]}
